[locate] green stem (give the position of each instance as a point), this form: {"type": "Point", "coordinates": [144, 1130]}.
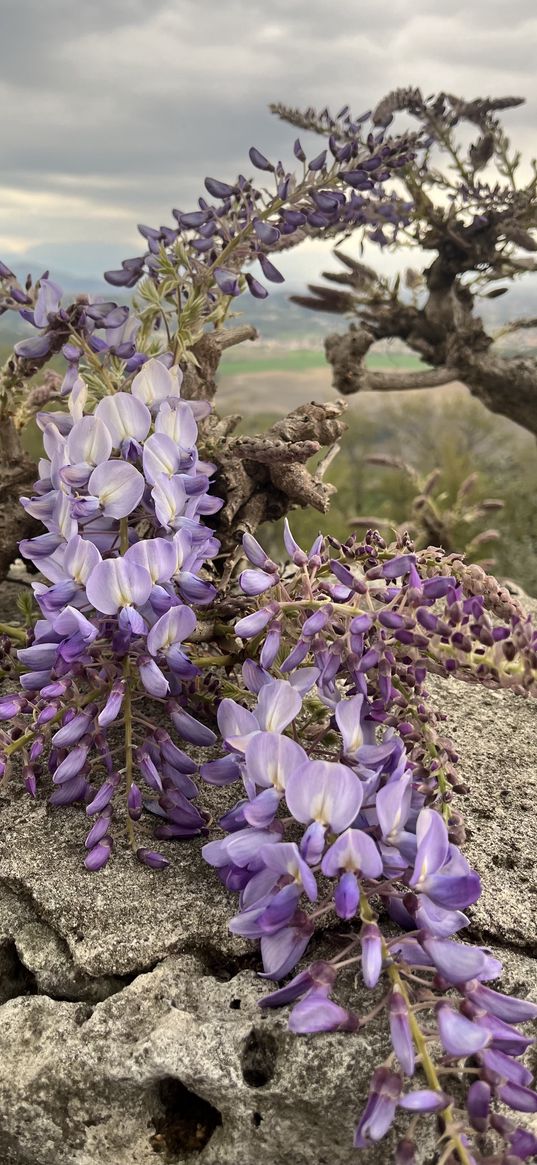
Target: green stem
{"type": "Point", "coordinates": [123, 535]}
{"type": "Point", "coordinates": [13, 632]}
{"type": "Point", "coordinates": [447, 1114]}
{"type": "Point", "coordinates": [127, 717]}
{"type": "Point", "coordinates": [127, 699]}
{"type": "Point", "coordinates": [29, 735]}
{"type": "Point", "coordinates": [209, 660]}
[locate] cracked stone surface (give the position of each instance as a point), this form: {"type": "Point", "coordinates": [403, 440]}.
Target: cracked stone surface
{"type": "Point", "coordinates": [120, 1082]}
{"type": "Point", "coordinates": [495, 734]}
{"type": "Point", "coordinates": [130, 1026]}
{"type": "Point", "coordinates": [125, 919]}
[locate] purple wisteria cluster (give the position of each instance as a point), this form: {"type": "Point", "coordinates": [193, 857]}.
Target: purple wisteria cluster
{"type": "Point", "coordinates": [342, 187]}
{"type": "Point", "coordinates": [347, 811]}
{"type": "Point", "coordinates": [191, 271]}
{"type": "Point", "coordinates": [116, 608]}
{"type": "Point", "coordinates": [103, 327]}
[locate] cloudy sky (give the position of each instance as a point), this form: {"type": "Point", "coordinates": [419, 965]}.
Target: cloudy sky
{"type": "Point", "coordinates": [115, 110]}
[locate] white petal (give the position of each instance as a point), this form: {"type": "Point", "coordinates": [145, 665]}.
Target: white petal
{"type": "Point", "coordinates": [89, 441]}
{"type": "Point", "coordinates": [154, 382]}
{"type": "Point", "coordinates": [124, 417]}
{"type": "Point", "coordinates": [80, 558]}
{"type": "Point", "coordinates": [118, 486]}
{"type": "Point", "coordinates": [161, 455]}
{"type": "Point", "coordinates": [177, 423]}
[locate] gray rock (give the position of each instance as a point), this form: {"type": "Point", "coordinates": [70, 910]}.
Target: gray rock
{"type": "Point", "coordinates": [130, 1026]}
{"type": "Point", "coordinates": [185, 1064]}
{"type": "Point", "coordinates": [125, 918]}
{"type": "Point", "coordinates": [495, 734]}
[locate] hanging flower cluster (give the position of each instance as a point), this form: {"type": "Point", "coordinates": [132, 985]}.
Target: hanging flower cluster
{"type": "Point", "coordinates": [340, 188]}
{"type": "Point", "coordinates": [117, 608]}
{"type": "Point", "coordinates": [193, 269]}
{"type": "Point", "coordinates": [346, 810]}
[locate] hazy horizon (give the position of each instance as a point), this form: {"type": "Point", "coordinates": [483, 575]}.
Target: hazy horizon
{"type": "Point", "coordinates": [117, 117]}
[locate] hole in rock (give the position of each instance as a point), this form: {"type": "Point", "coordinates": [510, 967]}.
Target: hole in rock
{"type": "Point", "coordinates": [15, 978]}
{"type": "Point", "coordinates": [235, 1004]}
{"type": "Point", "coordinates": [83, 1013]}
{"type": "Point", "coordinates": [256, 1119]}
{"type": "Point", "coordinates": [258, 1058]}
{"type": "Point", "coordinates": [186, 1123]}
{"type": "Point", "coordinates": [223, 967]}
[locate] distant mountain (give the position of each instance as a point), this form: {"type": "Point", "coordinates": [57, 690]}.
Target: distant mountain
{"type": "Point", "coordinates": [281, 322]}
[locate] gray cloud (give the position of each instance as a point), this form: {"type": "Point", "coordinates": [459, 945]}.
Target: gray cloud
{"type": "Point", "coordinates": [117, 109]}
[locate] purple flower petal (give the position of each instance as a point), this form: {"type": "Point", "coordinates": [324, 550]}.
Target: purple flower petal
{"type": "Point", "coordinates": [478, 1104]}
{"type": "Point", "coordinates": [253, 624]}
{"type": "Point", "coordinates": [519, 1098]}
{"type": "Point", "coordinates": [134, 802]}
{"type": "Point", "coordinates": [72, 764]}
{"type": "Point", "coordinates": [191, 729]}
{"type": "Point", "coordinates": [505, 1007]}
{"type": "Point", "coordinates": [75, 728]}
{"type": "Point", "coordinates": [155, 382]}
{"type": "Point", "coordinates": [270, 758]}
{"type": "Point", "coordinates": [71, 791]}
{"type": "Point", "coordinates": [102, 798]}
{"type": "Point", "coordinates": [98, 831]}
{"type": "Point", "coordinates": [89, 441]}
{"type": "Point", "coordinates": [371, 944]}
{"type": "Point", "coordinates": [99, 855]}
{"type": "Point", "coordinates": [506, 1067]}
{"type": "Point", "coordinates": [223, 771]}
{"type": "Point", "coordinates": [151, 858]}
{"type": "Point", "coordinates": [353, 850]}
{"type": "Point", "coordinates": [254, 582]}
{"type": "Point", "coordinates": [379, 1112]}
{"type": "Point", "coordinates": [455, 962]}
{"type": "Point", "coordinates": [262, 810]}
{"type": "Point", "coordinates": [347, 896]}
{"type": "Point", "coordinates": [259, 160]}
{"type": "Point", "coordinates": [278, 703]}
{"type": "Point", "coordinates": [459, 1036]}
{"type": "Point", "coordinates": [325, 792]}
{"type": "Point", "coordinates": [157, 555]}
{"type": "Point", "coordinates": [118, 486]}
{"type": "Point", "coordinates": [116, 583]}
{"type": "Point", "coordinates": [403, 1044]}
{"type": "Point", "coordinates": [285, 859]}
{"type": "Point", "coordinates": [424, 1100]}
{"type": "Point", "coordinates": [281, 951]}
{"type": "Point", "coordinates": [227, 281]}
{"type": "Point", "coordinates": [316, 1013]}
{"type": "Point", "coordinates": [153, 679]}
{"type": "Point", "coordinates": [172, 628]}
{"type": "Point", "coordinates": [124, 416]}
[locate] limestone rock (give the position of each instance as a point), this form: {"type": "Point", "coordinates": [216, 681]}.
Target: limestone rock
{"type": "Point", "coordinates": [495, 734]}
{"type": "Point", "coordinates": [186, 1065]}
{"type": "Point", "coordinates": [130, 1028]}
{"type": "Point", "coordinates": [125, 918]}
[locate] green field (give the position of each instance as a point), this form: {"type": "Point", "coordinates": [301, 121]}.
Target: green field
{"type": "Point", "coordinates": [293, 360]}
{"type": "Point", "coordinates": [301, 360]}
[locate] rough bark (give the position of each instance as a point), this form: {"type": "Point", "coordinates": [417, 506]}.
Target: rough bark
{"type": "Point", "coordinates": [262, 477]}
{"type": "Point", "coordinates": [17, 475]}
{"type": "Point", "coordinates": [445, 333]}
{"type": "Point", "coordinates": [259, 477]}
